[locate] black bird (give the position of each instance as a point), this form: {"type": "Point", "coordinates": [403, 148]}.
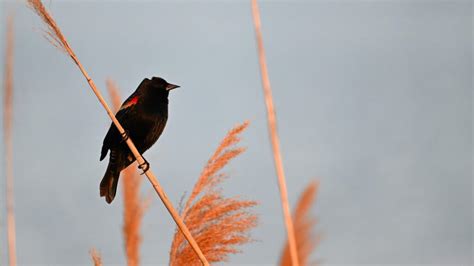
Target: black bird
{"type": "Point", "coordinates": [143, 116]}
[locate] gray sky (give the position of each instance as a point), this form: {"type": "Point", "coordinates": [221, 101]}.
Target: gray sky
{"type": "Point", "coordinates": [373, 99]}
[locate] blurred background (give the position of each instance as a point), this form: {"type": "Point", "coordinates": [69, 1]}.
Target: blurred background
{"type": "Point", "coordinates": [374, 99]}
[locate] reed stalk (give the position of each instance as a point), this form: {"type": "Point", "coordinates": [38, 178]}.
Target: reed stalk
{"type": "Point", "coordinates": [275, 142]}
{"type": "Point", "coordinates": [56, 37]}
{"type": "Point", "coordinates": [7, 126]}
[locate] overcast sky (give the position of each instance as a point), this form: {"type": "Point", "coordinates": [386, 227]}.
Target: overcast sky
{"type": "Point", "coordinates": [374, 99]}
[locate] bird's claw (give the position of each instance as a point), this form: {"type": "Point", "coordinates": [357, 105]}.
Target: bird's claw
{"type": "Point", "coordinates": [144, 166]}
{"type": "Point", "coordinates": [124, 136]}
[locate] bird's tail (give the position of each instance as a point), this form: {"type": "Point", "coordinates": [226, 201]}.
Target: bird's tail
{"type": "Point", "coordinates": [108, 185]}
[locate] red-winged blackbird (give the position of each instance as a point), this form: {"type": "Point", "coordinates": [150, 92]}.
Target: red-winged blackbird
{"type": "Point", "coordinates": [143, 116]}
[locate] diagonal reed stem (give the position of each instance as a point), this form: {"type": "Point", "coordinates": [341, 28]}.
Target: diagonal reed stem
{"type": "Point", "coordinates": [8, 120]}
{"type": "Point", "coordinates": [58, 38]}
{"type": "Point", "coordinates": [272, 130]}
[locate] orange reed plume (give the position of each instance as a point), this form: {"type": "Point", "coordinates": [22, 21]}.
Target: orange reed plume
{"type": "Point", "coordinates": [114, 94]}
{"type": "Point", "coordinates": [306, 239]}
{"type": "Point", "coordinates": [134, 206]}
{"type": "Point", "coordinates": [57, 38]}
{"type": "Point", "coordinates": [7, 126]}
{"type": "Point", "coordinates": [96, 259]}
{"type": "Point", "coordinates": [219, 224]}
{"type": "Point", "coordinates": [272, 130]}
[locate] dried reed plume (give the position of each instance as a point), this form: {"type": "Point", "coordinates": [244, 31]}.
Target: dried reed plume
{"type": "Point", "coordinates": [53, 33]}
{"type": "Point", "coordinates": [96, 259]}
{"type": "Point", "coordinates": [58, 39]}
{"type": "Point", "coordinates": [134, 206]}
{"type": "Point", "coordinates": [7, 126]}
{"type": "Point", "coordinates": [114, 94]}
{"type": "Point", "coordinates": [272, 128]}
{"type": "Point", "coordinates": [219, 224]}
{"type": "Point", "coordinates": [306, 239]}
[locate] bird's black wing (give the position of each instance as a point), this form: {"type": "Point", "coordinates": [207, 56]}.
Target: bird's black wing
{"type": "Point", "coordinates": [113, 137]}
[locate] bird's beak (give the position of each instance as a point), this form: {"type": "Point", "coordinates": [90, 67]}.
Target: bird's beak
{"type": "Point", "coordinates": [171, 87]}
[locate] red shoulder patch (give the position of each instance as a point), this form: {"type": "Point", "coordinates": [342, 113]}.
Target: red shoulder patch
{"type": "Point", "coordinates": [129, 103]}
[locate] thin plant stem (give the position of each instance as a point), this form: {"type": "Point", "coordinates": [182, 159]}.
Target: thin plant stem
{"type": "Point", "coordinates": [58, 38]}
{"type": "Point", "coordinates": [8, 121]}
{"type": "Point", "coordinates": [272, 128]}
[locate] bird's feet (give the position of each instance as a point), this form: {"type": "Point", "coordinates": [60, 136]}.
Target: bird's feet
{"type": "Point", "coordinates": [144, 166]}
{"type": "Point", "coordinates": [124, 136]}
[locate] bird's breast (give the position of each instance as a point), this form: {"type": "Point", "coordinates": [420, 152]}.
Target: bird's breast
{"type": "Point", "coordinates": [153, 129]}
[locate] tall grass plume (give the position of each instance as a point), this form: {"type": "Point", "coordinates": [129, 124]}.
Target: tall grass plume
{"type": "Point", "coordinates": [219, 224]}
{"type": "Point", "coordinates": [134, 205]}
{"type": "Point", "coordinates": [306, 238]}
{"type": "Point", "coordinates": [95, 256]}
{"type": "Point", "coordinates": [53, 33]}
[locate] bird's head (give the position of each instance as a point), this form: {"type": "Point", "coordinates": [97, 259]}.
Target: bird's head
{"type": "Point", "coordinates": [161, 85]}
